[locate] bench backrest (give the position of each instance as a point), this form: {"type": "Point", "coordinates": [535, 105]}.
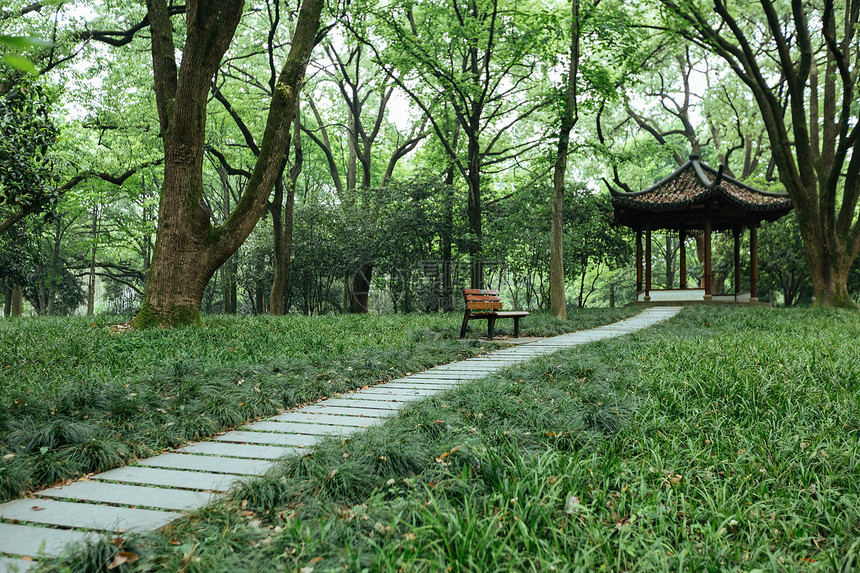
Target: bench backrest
{"type": "Point", "coordinates": [482, 299]}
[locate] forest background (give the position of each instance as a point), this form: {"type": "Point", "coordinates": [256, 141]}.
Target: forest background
{"type": "Point", "coordinates": [423, 153]}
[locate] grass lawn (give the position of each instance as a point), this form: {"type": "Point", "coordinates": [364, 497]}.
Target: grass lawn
{"type": "Point", "coordinates": [726, 439]}
{"type": "Point", "coordinates": [76, 396]}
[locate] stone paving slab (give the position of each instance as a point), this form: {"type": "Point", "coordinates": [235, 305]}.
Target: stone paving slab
{"type": "Point", "coordinates": [173, 478]}
{"type": "Point", "coordinates": [477, 367]}
{"type": "Point", "coordinates": [85, 515]}
{"type": "Point", "coordinates": [33, 540]}
{"type": "Point", "coordinates": [123, 494]}
{"type": "Point", "coordinates": [388, 390]}
{"type": "Point", "coordinates": [433, 381]}
{"type": "Point", "coordinates": [421, 378]}
{"type": "Point", "coordinates": [213, 464]}
{"type": "Point", "coordinates": [450, 374]}
{"type": "Point", "coordinates": [313, 418]}
{"type": "Point", "coordinates": [358, 404]}
{"type": "Point", "coordinates": [228, 449]}
{"type": "Point", "coordinates": [348, 411]}
{"type": "Point", "coordinates": [268, 438]}
{"type": "Point", "coordinates": [11, 564]}
{"type": "Point", "coordinates": [299, 428]}
{"type": "Point", "coordinates": [392, 396]}
{"type": "Point", "coordinates": [418, 386]}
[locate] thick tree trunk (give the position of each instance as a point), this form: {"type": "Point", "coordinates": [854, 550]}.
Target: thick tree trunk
{"type": "Point", "coordinates": [829, 272]}
{"type": "Point", "coordinates": [188, 249]}
{"type": "Point", "coordinates": [16, 301]}
{"type": "Point", "coordinates": [569, 116]}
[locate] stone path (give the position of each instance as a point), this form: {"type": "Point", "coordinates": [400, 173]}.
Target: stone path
{"type": "Point", "coordinates": [155, 491]}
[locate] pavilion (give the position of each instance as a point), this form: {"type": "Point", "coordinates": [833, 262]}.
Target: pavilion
{"type": "Point", "coordinates": [697, 199]}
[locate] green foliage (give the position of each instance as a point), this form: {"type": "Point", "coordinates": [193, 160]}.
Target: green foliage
{"type": "Point", "coordinates": [782, 259]}
{"type": "Point", "coordinates": [10, 44]}
{"type": "Point", "coordinates": [519, 235]}
{"type": "Point", "coordinates": [27, 134]}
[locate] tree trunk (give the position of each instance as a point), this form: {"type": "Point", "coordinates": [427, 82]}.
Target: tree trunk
{"type": "Point", "coordinates": [569, 117]}
{"type": "Point", "coordinates": [474, 213]}
{"type": "Point", "coordinates": [16, 301]}
{"type": "Point", "coordinates": [188, 248]}
{"type": "Point", "coordinates": [7, 302]}
{"type": "Point", "coordinates": [829, 271]}
{"type": "Point", "coordinates": [446, 239]}
{"type": "Point", "coordinates": [91, 281]}
{"type": "Point", "coordinates": [670, 262]}
{"type": "Point", "coordinates": [284, 227]}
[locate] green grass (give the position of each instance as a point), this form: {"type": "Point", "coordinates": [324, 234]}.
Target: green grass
{"type": "Point", "coordinates": [727, 439]}
{"type": "Point", "coordinates": [76, 396]}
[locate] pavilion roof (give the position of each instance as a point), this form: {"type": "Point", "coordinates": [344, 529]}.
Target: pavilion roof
{"type": "Point", "coordinates": [685, 197]}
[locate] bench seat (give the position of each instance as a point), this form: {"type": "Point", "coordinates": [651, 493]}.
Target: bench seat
{"type": "Point", "coordinates": [482, 304]}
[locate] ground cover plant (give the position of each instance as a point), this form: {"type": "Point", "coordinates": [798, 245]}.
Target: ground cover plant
{"type": "Point", "coordinates": [726, 439]}
{"type": "Point", "coordinates": [80, 396]}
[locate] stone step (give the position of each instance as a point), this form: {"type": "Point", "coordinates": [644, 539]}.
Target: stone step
{"type": "Point", "coordinates": [268, 438]}
{"type": "Point", "coordinates": [348, 411]}
{"type": "Point", "coordinates": [123, 494]}
{"type": "Point", "coordinates": [213, 464]}
{"type": "Point", "coordinates": [299, 428]}
{"type": "Point", "coordinates": [33, 540]}
{"type": "Point", "coordinates": [85, 515]}
{"type": "Point", "coordinates": [251, 451]}
{"type": "Point", "coordinates": [172, 478]}
{"type": "Point", "coordinates": [362, 404]}
{"type": "Point", "coordinates": [312, 418]}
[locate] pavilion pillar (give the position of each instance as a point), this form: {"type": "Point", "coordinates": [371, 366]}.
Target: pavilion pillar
{"type": "Point", "coordinates": [708, 273]}
{"type": "Point", "coordinates": [737, 235]}
{"type": "Point", "coordinates": [682, 254]}
{"type": "Point", "coordinates": [754, 262]}
{"type": "Point", "coordinates": [648, 263]}
{"type": "Point", "coordinates": [638, 261]}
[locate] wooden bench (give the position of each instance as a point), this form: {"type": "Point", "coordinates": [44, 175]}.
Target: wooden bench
{"type": "Point", "coordinates": [486, 305]}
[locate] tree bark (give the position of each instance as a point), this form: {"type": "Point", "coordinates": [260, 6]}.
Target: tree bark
{"type": "Point", "coordinates": [188, 248]}
{"type": "Point", "coordinates": [16, 304]}
{"type": "Point", "coordinates": [569, 117]}
{"type": "Point", "coordinates": [284, 232]}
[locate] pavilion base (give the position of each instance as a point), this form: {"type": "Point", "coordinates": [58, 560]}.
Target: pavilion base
{"type": "Point", "coordinates": [692, 296]}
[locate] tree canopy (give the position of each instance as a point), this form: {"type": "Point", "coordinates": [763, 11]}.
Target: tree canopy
{"type": "Point", "coordinates": [402, 149]}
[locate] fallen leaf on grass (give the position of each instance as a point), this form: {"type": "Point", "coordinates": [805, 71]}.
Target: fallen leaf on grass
{"type": "Point", "coordinates": [444, 455]}
{"type": "Point", "coordinates": [123, 557]}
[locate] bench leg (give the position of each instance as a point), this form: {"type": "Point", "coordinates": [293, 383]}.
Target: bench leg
{"type": "Point", "coordinates": [516, 327]}
{"type": "Point", "coordinates": [465, 324]}
{"type": "Point", "coordinates": [491, 324]}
